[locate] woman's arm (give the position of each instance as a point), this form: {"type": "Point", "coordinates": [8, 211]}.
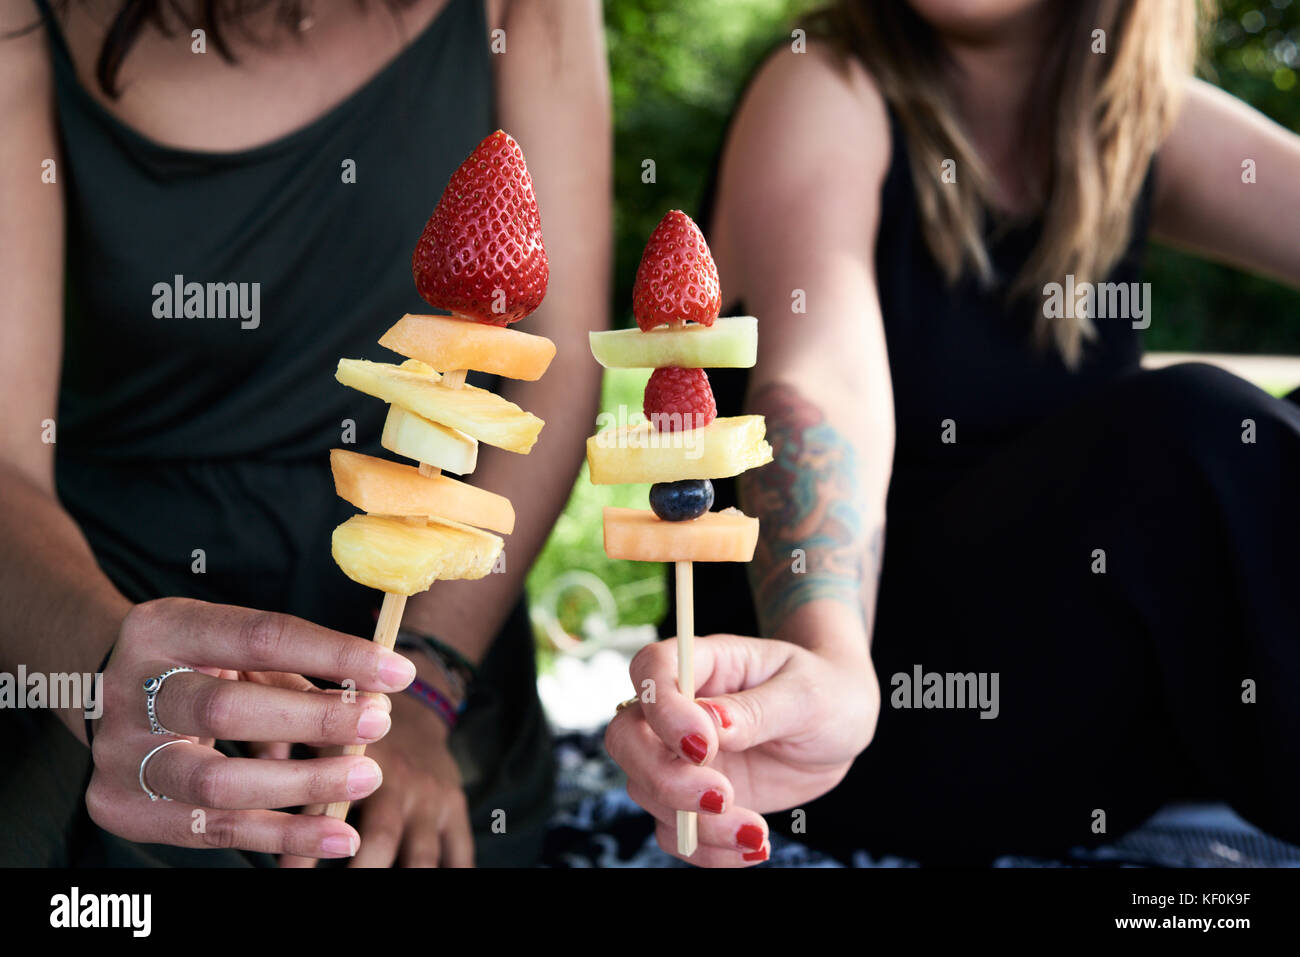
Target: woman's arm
{"type": "Point", "coordinates": [796, 223]}
{"type": "Point", "coordinates": [61, 611]}
{"type": "Point", "coordinates": [1228, 186]}
{"type": "Point", "coordinates": [553, 97]}
{"type": "Point", "coordinates": [779, 722]}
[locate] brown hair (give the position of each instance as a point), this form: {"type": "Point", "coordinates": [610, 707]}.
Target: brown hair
{"type": "Point", "coordinates": [1098, 120]}
{"type": "Point", "coordinates": [215, 17]}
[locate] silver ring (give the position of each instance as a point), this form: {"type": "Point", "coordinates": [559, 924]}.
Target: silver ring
{"type": "Point", "coordinates": [151, 688]}
{"type": "Point", "coordinates": [144, 787]}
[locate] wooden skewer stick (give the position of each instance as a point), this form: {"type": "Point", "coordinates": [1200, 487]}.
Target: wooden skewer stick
{"type": "Point", "coordinates": [452, 380]}
{"type": "Point", "coordinates": [688, 834]}
{"type": "Point", "coordinates": [390, 614]}
{"type": "Point", "coordinates": [390, 619]}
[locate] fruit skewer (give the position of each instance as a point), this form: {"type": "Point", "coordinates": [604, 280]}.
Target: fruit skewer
{"type": "Point", "coordinates": [481, 257]}
{"type": "Point", "coordinates": [390, 611]}
{"type": "Point", "coordinates": [682, 445]}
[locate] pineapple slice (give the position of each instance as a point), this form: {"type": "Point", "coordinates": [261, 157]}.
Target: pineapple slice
{"type": "Point", "coordinates": [638, 453]}
{"type": "Point", "coordinates": [382, 487]}
{"type": "Point", "coordinates": [638, 535]}
{"type": "Point", "coordinates": [396, 556]}
{"type": "Point", "coordinates": [417, 438]}
{"type": "Point", "coordinates": [448, 343]}
{"type": "Point", "coordinates": [478, 413]}
{"type": "Point", "coordinates": [730, 343]}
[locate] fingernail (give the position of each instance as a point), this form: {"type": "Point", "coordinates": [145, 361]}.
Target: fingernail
{"type": "Point", "coordinates": [695, 748]}
{"type": "Point", "coordinates": [363, 780]}
{"type": "Point", "coordinates": [396, 671]}
{"type": "Point", "coordinates": [711, 801]}
{"type": "Point", "coordinates": [750, 836]}
{"type": "Point", "coordinates": [373, 724]}
{"type": "Point", "coordinates": [718, 711]}
{"type": "Point", "coordinates": [756, 855]}
{"type": "Point", "coordinates": [338, 845]}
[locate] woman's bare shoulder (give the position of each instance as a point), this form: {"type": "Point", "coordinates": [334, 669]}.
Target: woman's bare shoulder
{"type": "Point", "coordinates": [808, 151]}
{"type": "Point", "coordinates": [817, 97]}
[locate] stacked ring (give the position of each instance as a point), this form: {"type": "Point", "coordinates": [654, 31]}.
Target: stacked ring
{"type": "Point", "coordinates": [151, 688]}
{"type": "Point", "coordinates": [153, 796]}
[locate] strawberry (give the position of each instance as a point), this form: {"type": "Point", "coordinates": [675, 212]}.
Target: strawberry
{"type": "Point", "coordinates": [677, 279]}
{"type": "Point", "coordinates": [679, 399]}
{"type": "Point", "coordinates": [481, 254]}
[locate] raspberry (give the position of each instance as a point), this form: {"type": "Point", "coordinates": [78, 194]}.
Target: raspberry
{"type": "Point", "coordinates": [678, 399]}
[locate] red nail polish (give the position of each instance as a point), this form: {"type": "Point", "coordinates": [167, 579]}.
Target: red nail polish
{"type": "Point", "coordinates": [750, 836]}
{"type": "Point", "coordinates": [719, 713]}
{"type": "Point", "coordinates": [711, 801]}
{"type": "Point", "coordinates": [756, 855]}
{"type": "Point", "coordinates": [695, 748]}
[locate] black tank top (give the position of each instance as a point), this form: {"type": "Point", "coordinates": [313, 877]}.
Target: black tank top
{"type": "Point", "coordinates": [193, 451]}
{"type": "Point", "coordinates": [956, 352]}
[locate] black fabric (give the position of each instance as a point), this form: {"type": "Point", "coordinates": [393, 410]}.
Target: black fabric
{"type": "Point", "coordinates": [1119, 690]}
{"type": "Point", "coordinates": [958, 352]}
{"type": "Point", "coordinates": [197, 433]}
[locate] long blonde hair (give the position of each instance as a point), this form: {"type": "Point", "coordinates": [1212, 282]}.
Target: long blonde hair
{"type": "Point", "coordinates": [1100, 119]}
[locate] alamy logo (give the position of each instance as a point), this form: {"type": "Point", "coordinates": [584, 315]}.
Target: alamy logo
{"type": "Point", "coordinates": [75, 909]}
{"type": "Point", "coordinates": [59, 690]}
{"type": "Point", "coordinates": [1103, 300]}
{"type": "Point", "coordinates": [663, 430]}
{"type": "Point", "coordinates": [179, 299]}
{"type": "Point", "coordinates": [933, 689]}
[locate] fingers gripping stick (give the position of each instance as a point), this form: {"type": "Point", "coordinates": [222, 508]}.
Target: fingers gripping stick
{"type": "Point", "coordinates": [688, 835]}
{"type": "Point", "coordinates": [390, 619]}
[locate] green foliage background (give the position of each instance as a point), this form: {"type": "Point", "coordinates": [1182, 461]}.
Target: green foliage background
{"type": "Point", "coordinates": [677, 68]}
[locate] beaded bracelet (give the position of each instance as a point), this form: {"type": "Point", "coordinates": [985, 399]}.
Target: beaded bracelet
{"type": "Point", "coordinates": [438, 701]}
{"type": "Point", "coordinates": [458, 669]}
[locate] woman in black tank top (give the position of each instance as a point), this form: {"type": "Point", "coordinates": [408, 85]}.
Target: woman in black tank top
{"type": "Point", "coordinates": [1089, 577]}
{"type": "Point", "coordinates": [192, 453]}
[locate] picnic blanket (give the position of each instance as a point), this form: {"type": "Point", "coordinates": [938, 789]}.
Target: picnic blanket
{"type": "Point", "coordinates": [597, 825]}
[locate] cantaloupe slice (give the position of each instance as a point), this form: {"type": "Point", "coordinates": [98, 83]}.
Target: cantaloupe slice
{"type": "Point", "coordinates": [393, 555]}
{"type": "Point", "coordinates": [638, 453]}
{"type": "Point", "coordinates": [730, 343]}
{"type": "Point", "coordinates": [446, 343]}
{"type": "Point", "coordinates": [417, 438]}
{"type": "Point", "coordinates": [478, 413]}
{"type": "Point", "coordinates": [638, 535]}
{"type": "Point", "coordinates": [381, 487]}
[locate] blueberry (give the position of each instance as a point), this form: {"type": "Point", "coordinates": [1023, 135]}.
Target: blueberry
{"type": "Point", "coordinates": [681, 501]}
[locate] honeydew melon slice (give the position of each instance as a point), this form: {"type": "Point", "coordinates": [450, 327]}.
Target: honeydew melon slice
{"type": "Point", "coordinates": [730, 343]}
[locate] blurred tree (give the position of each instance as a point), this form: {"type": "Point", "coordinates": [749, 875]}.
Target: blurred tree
{"type": "Point", "coordinates": [1254, 54]}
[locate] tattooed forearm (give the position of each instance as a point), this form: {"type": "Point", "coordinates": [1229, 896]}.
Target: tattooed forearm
{"type": "Point", "coordinates": [814, 540]}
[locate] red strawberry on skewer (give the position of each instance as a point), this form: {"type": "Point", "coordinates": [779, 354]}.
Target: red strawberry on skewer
{"type": "Point", "coordinates": [481, 254]}
{"type": "Point", "coordinates": [677, 279]}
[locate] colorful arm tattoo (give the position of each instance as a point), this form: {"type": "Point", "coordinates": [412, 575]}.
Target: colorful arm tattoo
{"type": "Point", "coordinates": [814, 541]}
